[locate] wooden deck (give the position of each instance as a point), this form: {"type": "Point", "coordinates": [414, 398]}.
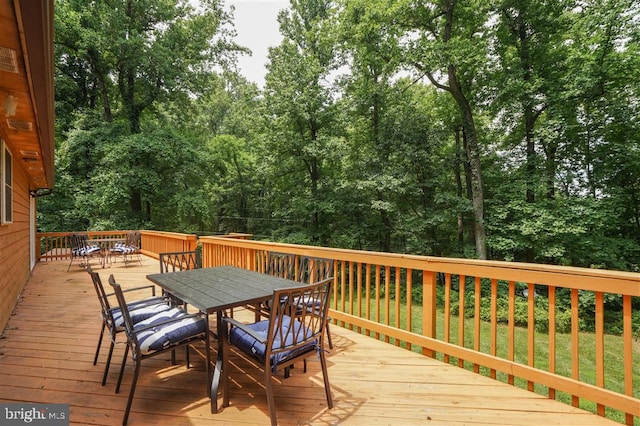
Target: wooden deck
{"type": "Point", "coordinates": [47, 349]}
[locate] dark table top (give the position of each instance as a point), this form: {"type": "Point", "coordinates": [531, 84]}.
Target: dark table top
{"type": "Point", "coordinates": [220, 288]}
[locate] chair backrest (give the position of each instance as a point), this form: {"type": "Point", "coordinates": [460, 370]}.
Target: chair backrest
{"type": "Point", "coordinates": [298, 317]}
{"type": "Point", "coordinates": [179, 261]}
{"type": "Point", "coordinates": [78, 241]}
{"type": "Point", "coordinates": [314, 269]}
{"type": "Point", "coordinates": [281, 265]}
{"type": "Point", "coordinates": [128, 322]}
{"type": "Point", "coordinates": [133, 239]}
{"type": "Point", "coordinates": [102, 296]}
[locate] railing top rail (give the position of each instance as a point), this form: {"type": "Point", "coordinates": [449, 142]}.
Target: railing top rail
{"type": "Point", "coordinates": [620, 282]}
{"type": "Point", "coordinates": [173, 235]}
{"type": "Point", "coordinates": [64, 234]}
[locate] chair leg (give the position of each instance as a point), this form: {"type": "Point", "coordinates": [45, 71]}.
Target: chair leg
{"type": "Point", "coordinates": [223, 346]}
{"type": "Point", "coordinates": [136, 371]}
{"type": "Point", "coordinates": [270, 399]}
{"type": "Point", "coordinates": [124, 362]}
{"type": "Point", "coordinates": [325, 376]}
{"type": "Point", "coordinates": [328, 336]}
{"type": "Point", "coordinates": [95, 359]}
{"type": "Point", "coordinates": [72, 259]}
{"type": "Point", "coordinates": [108, 363]}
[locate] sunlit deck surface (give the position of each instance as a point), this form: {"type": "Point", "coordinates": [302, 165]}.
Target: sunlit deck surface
{"type": "Point", "coordinates": [47, 350]}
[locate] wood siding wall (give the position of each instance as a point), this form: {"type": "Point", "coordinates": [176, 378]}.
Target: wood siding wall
{"type": "Point", "coordinates": [14, 248]}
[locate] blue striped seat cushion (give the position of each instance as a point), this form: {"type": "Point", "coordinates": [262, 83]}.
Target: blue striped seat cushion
{"type": "Point", "coordinates": [251, 346]}
{"type": "Point", "coordinates": [140, 310]}
{"type": "Point", "coordinates": [163, 336]}
{"type": "Point", "coordinates": [85, 251]}
{"type": "Point", "coordinates": [123, 248]}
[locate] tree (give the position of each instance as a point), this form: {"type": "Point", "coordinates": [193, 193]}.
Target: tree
{"type": "Point", "coordinates": [371, 46]}
{"type": "Point", "coordinates": [300, 108]}
{"type": "Point", "coordinates": [138, 54]}
{"type": "Point", "coordinates": [448, 46]}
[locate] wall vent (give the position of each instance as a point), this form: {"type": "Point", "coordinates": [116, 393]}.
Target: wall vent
{"type": "Point", "coordinates": [25, 126]}
{"type": "Point", "coordinates": [8, 60]}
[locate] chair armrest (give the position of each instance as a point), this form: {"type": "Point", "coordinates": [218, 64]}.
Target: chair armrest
{"type": "Point", "coordinates": [151, 286]}
{"type": "Point", "coordinates": [243, 327]}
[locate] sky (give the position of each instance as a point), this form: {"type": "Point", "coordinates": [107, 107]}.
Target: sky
{"type": "Point", "coordinates": [257, 27]}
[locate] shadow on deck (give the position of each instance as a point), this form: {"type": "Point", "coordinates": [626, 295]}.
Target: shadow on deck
{"type": "Point", "coordinates": [47, 350]}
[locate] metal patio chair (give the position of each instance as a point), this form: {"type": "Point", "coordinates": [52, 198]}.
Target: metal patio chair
{"type": "Point", "coordinates": [130, 249]}
{"type": "Point", "coordinates": [281, 265]}
{"type": "Point", "coordinates": [307, 269]}
{"type": "Point", "coordinates": [179, 261]}
{"type": "Point", "coordinates": [313, 269]}
{"type": "Point", "coordinates": [294, 331]}
{"type": "Point", "coordinates": [81, 249]}
{"type": "Point", "coordinates": [165, 331]}
{"type": "Point", "coordinates": [112, 318]}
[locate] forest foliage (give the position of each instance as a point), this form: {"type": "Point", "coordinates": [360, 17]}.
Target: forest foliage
{"type": "Point", "coordinates": [501, 129]}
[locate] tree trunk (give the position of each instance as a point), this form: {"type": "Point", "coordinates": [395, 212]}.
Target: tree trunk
{"type": "Point", "coordinates": [531, 154]}
{"type": "Point", "coordinates": [99, 72]}
{"type": "Point", "coordinates": [460, 160]}
{"type": "Point", "coordinates": [477, 190]}
{"type": "Point", "coordinates": [473, 152]}
{"type": "Point", "coordinates": [550, 150]}
{"type": "Point", "coordinates": [467, 180]}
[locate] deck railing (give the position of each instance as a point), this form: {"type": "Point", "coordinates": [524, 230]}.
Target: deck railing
{"type": "Point", "coordinates": [57, 245]}
{"type": "Point", "coordinates": [396, 298]}
{"type": "Point", "coordinates": [375, 293]}
{"type": "Point", "coordinates": [156, 242]}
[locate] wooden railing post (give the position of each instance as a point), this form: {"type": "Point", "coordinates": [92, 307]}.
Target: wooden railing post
{"type": "Point", "coordinates": [429, 307]}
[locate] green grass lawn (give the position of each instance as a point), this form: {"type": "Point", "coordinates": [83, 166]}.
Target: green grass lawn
{"type": "Point", "coordinates": [614, 375]}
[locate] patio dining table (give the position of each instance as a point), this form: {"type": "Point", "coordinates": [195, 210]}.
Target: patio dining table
{"type": "Point", "coordinates": [215, 290]}
{"type": "Point", "coordinates": [106, 244]}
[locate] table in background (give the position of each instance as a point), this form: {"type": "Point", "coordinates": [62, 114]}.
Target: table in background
{"type": "Point", "coordinates": [106, 244]}
{"type": "Point", "coordinates": [216, 290]}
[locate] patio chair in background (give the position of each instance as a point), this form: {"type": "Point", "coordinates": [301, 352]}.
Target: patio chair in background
{"type": "Point", "coordinates": [165, 331]}
{"type": "Point", "coordinates": [313, 269]}
{"type": "Point", "coordinates": [81, 249]}
{"type": "Point", "coordinates": [281, 265]}
{"type": "Point", "coordinates": [130, 249]}
{"type": "Point", "coordinates": [112, 318]}
{"type": "Point", "coordinates": [179, 261]}
{"type": "Point", "coordinates": [307, 269]}
{"type": "Point", "coordinates": [293, 332]}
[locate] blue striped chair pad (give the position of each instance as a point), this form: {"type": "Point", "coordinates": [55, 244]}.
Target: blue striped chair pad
{"type": "Point", "coordinates": [140, 310]}
{"type": "Point", "coordinates": [85, 251]}
{"type": "Point", "coordinates": [163, 336]}
{"type": "Point", "coordinates": [123, 248]}
{"type": "Point", "coordinates": [248, 344]}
